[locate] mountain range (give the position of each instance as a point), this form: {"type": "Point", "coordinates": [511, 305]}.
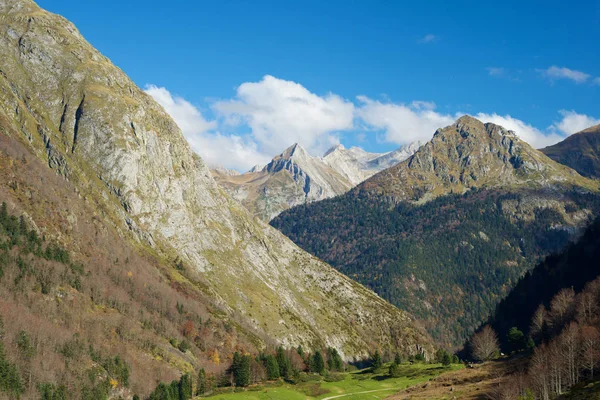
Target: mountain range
{"type": "Point", "coordinates": [446, 233]}
{"type": "Point", "coordinates": [118, 244]}
{"type": "Point", "coordinates": [295, 177]}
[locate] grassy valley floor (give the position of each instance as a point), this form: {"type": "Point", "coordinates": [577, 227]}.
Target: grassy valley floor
{"type": "Point", "coordinates": [358, 385]}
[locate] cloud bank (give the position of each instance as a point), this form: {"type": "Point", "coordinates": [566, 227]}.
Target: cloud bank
{"type": "Point", "coordinates": [265, 117]}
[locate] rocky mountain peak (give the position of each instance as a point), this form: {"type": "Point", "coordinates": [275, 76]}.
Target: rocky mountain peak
{"type": "Point", "coordinates": [256, 168]}
{"type": "Point", "coordinates": [333, 149]}
{"type": "Point", "coordinates": [468, 154]}
{"type": "Point", "coordinates": [295, 151]}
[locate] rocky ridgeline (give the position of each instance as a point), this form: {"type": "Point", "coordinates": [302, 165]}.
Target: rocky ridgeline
{"type": "Point", "coordinates": [295, 177]}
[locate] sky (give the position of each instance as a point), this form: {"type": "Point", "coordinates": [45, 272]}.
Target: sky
{"type": "Point", "coordinates": [246, 79]}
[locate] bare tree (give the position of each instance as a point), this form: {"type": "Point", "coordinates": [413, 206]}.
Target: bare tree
{"type": "Point", "coordinates": [586, 307]}
{"type": "Point", "coordinates": [484, 344]}
{"type": "Point", "coordinates": [539, 372]}
{"type": "Point", "coordinates": [590, 342]}
{"type": "Point", "coordinates": [537, 322]}
{"type": "Point", "coordinates": [569, 348]}
{"type": "Point", "coordinates": [562, 307]}
{"type": "Point", "coordinates": [557, 366]}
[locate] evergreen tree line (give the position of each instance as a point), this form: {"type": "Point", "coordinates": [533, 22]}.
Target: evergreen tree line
{"type": "Point", "coordinates": [247, 369]}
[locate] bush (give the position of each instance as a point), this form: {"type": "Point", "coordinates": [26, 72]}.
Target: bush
{"type": "Point", "coordinates": [184, 346]}
{"type": "Point", "coordinates": [395, 371]}
{"type": "Point", "coordinates": [335, 377]}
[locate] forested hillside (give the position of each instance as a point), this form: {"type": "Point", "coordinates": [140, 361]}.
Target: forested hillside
{"type": "Point", "coordinates": [448, 261]}
{"type": "Point", "coordinates": [553, 316]}
{"type": "Point", "coordinates": [571, 269]}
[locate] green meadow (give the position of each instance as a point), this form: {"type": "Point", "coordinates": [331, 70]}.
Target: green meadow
{"type": "Point", "coordinates": [358, 385]}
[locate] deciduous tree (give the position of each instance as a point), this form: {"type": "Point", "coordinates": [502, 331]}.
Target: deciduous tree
{"type": "Point", "coordinates": [484, 344]}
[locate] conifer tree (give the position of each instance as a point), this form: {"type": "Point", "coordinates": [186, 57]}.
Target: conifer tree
{"type": "Point", "coordinates": [317, 363]}
{"type": "Point", "coordinates": [272, 367]}
{"type": "Point", "coordinates": [376, 363]}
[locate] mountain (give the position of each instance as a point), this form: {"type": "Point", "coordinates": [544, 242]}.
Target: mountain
{"type": "Point", "coordinates": [446, 233]}
{"type": "Point", "coordinates": [293, 177]}
{"type": "Point", "coordinates": [580, 151]}
{"type": "Point", "coordinates": [470, 154]}
{"type": "Point", "coordinates": [357, 165]}
{"type": "Point", "coordinates": [120, 247]}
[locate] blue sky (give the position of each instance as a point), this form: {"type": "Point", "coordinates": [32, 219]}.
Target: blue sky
{"type": "Point", "coordinates": [244, 79]}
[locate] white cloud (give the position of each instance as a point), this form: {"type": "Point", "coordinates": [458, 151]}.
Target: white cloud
{"type": "Point", "coordinates": [553, 73]}
{"type": "Point", "coordinates": [495, 71]}
{"type": "Point", "coordinates": [281, 112]}
{"type": "Point", "coordinates": [428, 38]}
{"type": "Point", "coordinates": [187, 116]}
{"type": "Point", "coordinates": [596, 81]}
{"type": "Point", "coordinates": [231, 151]}
{"type": "Point", "coordinates": [572, 122]}
{"type": "Point", "coordinates": [532, 135]}
{"type": "Point", "coordinates": [402, 123]}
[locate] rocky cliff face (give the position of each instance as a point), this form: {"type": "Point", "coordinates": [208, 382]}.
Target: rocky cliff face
{"type": "Point", "coordinates": [88, 121]}
{"type": "Point", "coordinates": [580, 151]}
{"type": "Point", "coordinates": [469, 154]}
{"type": "Point", "coordinates": [293, 177]}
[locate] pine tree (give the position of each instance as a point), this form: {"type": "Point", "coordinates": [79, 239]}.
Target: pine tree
{"type": "Point", "coordinates": [376, 362]}
{"type": "Point", "coordinates": [398, 359]}
{"type": "Point", "coordinates": [202, 383]}
{"type": "Point", "coordinates": [185, 387]}
{"type": "Point", "coordinates": [272, 367]}
{"type": "Point", "coordinates": [446, 359]}
{"type": "Point", "coordinates": [317, 363]}
{"type": "Point", "coordinates": [284, 362]}
{"type": "Point", "coordinates": [334, 361]}
{"type": "Point", "coordinates": [516, 339]}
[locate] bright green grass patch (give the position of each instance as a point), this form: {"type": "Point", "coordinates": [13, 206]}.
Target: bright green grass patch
{"type": "Point", "coordinates": [378, 384]}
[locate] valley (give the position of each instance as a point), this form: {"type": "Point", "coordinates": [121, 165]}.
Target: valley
{"type": "Point", "coordinates": [379, 245]}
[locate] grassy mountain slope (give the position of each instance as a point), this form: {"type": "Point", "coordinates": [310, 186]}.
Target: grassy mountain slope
{"type": "Point", "coordinates": [580, 151]}
{"type": "Point", "coordinates": [449, 258]}
{"type": "Point", "coordinates": [113, 177]}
